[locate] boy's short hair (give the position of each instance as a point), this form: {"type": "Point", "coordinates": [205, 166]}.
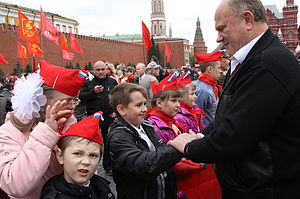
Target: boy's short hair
{"type": "Point", "coordinates": [184, 90]}
{"type": "Point", "coordinates": [65, 141]}
{"type": "Point", "coordinates": [121, 94]}
{"type": "Point", "coordinates": [164, 95]}
{"type": "Point", "coordinates": [204, 66]}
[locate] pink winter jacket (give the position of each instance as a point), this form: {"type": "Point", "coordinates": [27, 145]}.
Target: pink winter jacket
{"type": "Point", "coordinates": [27, 160]}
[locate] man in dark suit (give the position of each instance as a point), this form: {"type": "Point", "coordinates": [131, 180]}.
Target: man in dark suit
{"type": "Point", "coordinates": [254, 139]}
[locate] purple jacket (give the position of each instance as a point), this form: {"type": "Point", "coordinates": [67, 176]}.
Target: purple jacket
{"type": "Point", "coordinates": [185, 118]}
{"type": "Point", "coordinates": [162, 129]}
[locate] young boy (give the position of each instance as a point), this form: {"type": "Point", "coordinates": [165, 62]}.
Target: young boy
{"type": "Point", "coordinates": [79, 151]}
{"type": "Point", "coordinates": [141, 162]}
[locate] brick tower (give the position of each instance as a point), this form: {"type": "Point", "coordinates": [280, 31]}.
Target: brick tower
{"type": "Point", "coordinates": [199, 44]}
{"type": "Point", "coordinates": [158, 19]}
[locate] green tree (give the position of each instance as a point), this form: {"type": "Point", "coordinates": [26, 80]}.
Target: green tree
{"type": "Point", "coordinates": [28, 69]}
{"type": "Point", "coordinates": [17, 70]}
{"type": "Point", "coordinates": [1, 73]}
{"type": "Point", "coordinates": [89, 66]}
{"type": "Point", "coordinates": [77, 66]}
{"type": "Point", "coordinates": [193, 60]}
{"type": "Point", "coordinates": [86, 67]}
{"type": "Point", "coordinates": [154, 50]}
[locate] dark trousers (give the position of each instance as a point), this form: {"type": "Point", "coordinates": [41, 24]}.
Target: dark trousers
{"type": "Point", "coordinates": [104, 125]}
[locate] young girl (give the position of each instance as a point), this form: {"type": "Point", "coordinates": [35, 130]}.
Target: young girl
{"type": "Point", "coordinates": [189, 114]}
{"type": "Point", "coordinates": [30, 133]}
{"type": "Point", "coordinates": [120, 73]}
{"type": "Point", "coordinates": [165, 105]}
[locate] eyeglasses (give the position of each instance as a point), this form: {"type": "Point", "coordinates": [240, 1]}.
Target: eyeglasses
{"type": "Point", "coordinates": [98, 69]}
{"type": "Point", "coordinates": [75, 101]}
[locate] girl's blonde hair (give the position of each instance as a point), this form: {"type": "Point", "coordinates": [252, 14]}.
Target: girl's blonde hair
{"type": "Point", "coordinates": [185, 89]}
{"type": "Point", "coordinates": [48, 92]}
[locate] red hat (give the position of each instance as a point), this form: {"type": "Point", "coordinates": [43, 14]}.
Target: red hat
{"type": "Point", "coordinates": [67, 81]}
{"type": "Point", "coordinates": [87, 128]}
{"type": "Point", "coordinates": [184, 79]}
{"type": "Point", "coordinates": [206, 57]}
{"type": "Point", "coordinates": [168, 83]}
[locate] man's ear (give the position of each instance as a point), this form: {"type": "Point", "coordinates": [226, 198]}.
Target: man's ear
{"type": "Point", "coordinates": [121, 109]}
{"type": "Point", "coordinates": [59, 156]}
{"type": "Point", "coordinates": [248, 18]}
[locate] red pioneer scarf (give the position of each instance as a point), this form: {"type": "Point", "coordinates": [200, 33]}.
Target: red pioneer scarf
{"type": "Point", "coordinates": [194, 113]}
{"type": "Point", "coordinates": [166, 118]}
{"type": "Point", "coordinates": [120, 79]}
{"type": "Point", "coordinates": [131, 77]}
{"type": "Point", "coordinates": [207, 79]}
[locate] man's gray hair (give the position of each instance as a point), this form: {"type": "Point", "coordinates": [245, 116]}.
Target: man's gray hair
{"type": "Point", "coordinates": [254, 6]}
{"type": "Point", "coordinates": [142, 65]}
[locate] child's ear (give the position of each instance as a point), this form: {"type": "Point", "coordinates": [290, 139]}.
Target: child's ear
{"type": "Point", "coordinates": [159, 103]}
{"type": "Point", "coordinates": [59, 156]}
{"type": "Point", "coordinates": [121, 109]}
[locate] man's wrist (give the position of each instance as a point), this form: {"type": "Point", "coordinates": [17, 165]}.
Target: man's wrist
{"type": "Point", "coordinates": [186, 148]}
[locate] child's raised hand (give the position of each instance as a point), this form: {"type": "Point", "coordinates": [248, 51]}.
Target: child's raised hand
{"type": "Point", "coordinates": [55, 115]}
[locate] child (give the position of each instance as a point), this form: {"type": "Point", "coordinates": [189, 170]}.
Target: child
{"type": "Point", "coordinates": [43, 105]}
{"type": "Point", "coordinates": [190, 176]}
{"type": "Point", "coordinates": [141, 162]}
{"type": "Point", "coordinates": [120, 73]}
{"type": "Point", "coordinates": [189, 114]}
{"type": "Point", "coordinates": [165, 105]}
{"type": "Point", "coordinates": [79, 151]}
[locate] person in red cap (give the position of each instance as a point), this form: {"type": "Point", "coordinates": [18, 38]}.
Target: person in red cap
{"type": "Point", "coordinates": [42, 110]}
{"type": "Point", "coordinates": [141, 162]}
{"type": "Point", "coordinates": [207, 88]}
{"type": "Point", "coordinates": [79, 152]}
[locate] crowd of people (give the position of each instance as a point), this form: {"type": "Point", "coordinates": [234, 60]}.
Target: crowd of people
{"type": "Point", "coordinates": [229, 131]}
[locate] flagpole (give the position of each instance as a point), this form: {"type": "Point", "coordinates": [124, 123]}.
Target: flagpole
{"type": "Point", "coordinates": [144, 55]}
{"type": "Point", "coordinates": [165, 56]}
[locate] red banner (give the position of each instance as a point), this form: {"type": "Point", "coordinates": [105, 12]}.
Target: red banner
{"type": "Point", "coordinates": [167, 52]}
{"type": "Point", "coordinates": [22, 52]}
{"type": "Point", "coordinates": [34, 49]}
{"type": "Point", "coordinates": [74, 44]}
{"type": "Point", "coordinates": [146, 37]}
{"type": "Point", "coordinates": [48, 29]}
{"type": "Point", "coordinates": [64, 43]}
{"type": "Point", "coordinates": [68, 55]}
{"type": "Point", "coordinates": [27, 31]}
{"type": "Point", "coordinates": [2, 59]}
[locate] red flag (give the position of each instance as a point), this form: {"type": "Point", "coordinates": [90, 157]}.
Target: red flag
{"type": "Point", "coordinates": [27, 31]}
{"type": "Point", "coordinates": [34, 49]}
{"type": "Point", "coordinates": [22, 52]}
{"type": "Point", "coordinates": [167, 52]}
{"type": "Point", "coordinates": [68, 55]}
{"type": "Point", "coordinates": [74, 44]}
{"type": "Point", "coordinates": [48, 29]}
{"type": "Point", "coordinates": [33, 64]}
{"type": "Point", "coordinates": [2, 59]}
{"type": "Point", "coordinates": [64, 42]}
{"type": "Point", "coordinates": [146, 37]}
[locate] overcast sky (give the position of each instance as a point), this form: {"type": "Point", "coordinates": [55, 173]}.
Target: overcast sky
{"type": "Point", "coordinates": [98, 17]}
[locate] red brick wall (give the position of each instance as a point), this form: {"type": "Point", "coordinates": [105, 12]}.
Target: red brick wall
{"type": "Point", "coordinates": [94, 49]}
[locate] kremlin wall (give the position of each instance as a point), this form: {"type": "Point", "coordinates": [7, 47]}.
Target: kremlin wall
{"type": "Point", "coordinates": [94, 49]}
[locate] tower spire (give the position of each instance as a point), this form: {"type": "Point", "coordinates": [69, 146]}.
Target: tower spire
{"type": "Point", "coordinates": [158, 19]}
{"type": "Point", "coordinates": [199, 44]}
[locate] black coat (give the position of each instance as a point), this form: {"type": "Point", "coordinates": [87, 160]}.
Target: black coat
{"type": "Point", "coordinates": [97, 102]}
{"type": "Point", "coordinates": [135, 167]}
{"type": "Point", "coordinates": [58, 188]}
{"type": "Point", "coordinates": [255, 137]}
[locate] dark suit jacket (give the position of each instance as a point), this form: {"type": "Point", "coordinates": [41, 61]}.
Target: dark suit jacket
{"type": "Point", "coordinates": [255, 137]}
